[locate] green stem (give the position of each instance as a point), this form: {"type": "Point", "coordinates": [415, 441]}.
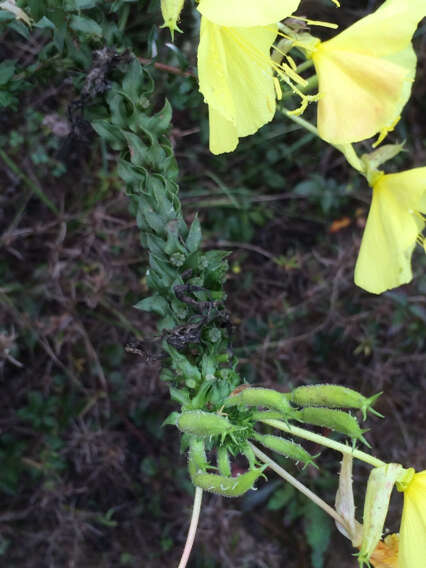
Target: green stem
{"type": "Point", "coordinates": [297, 485]}
{"type": "Point", "coordinates": [323, 441]}
{"type": "Point", "coordinates": [305, 65]}
{"type": "Point", "coordinates": [192, 527]}
{"type": "Point", "coordinates": [346, 149]}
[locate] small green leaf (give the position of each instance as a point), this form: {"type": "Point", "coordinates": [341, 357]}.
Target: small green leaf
{"type": "Point", "coordinates": [7, 70]}
{"type": "Point", "coordinates": [155, 304]}
{"type": "Point", "coordinates": [45, 23]}
{"type": "Point", "coordinates": [194, 237]}
{"type": "Point", "coordinates": [318, 533]}
{"type": "Point", "coordinates": [85, 25]}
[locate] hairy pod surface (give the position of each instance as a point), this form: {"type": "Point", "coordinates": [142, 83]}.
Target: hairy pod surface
{"type": "Point", "coordinates": [227, 486]}
{"type": "Point", "coordinates": [334, 419]}
{"type": "Point", "coordinates": [223, 462]}
{"type": "Point", "coordinates": [203, 424]}
{"type": "Point", "coordinates": [286, 448]}
{"type": "Point", "coordinates": [197, 459]}
{"type": "Point", "coordinates": [268, 398]}
{"type": "Point", "coordinates": [333, 396]}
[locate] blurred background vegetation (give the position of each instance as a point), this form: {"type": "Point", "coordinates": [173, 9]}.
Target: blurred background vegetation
{"type": "Point", "coordinates": [88, 478]}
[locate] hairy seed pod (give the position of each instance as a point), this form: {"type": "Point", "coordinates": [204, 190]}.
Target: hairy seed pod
{"type": "Point", "coordinates": [286, 448]}
{"type": "Point", "coordinates": [197, 459]}
{"type": "Point", "coordinates": [334, 419]}
{"type": "Point", "coordinates": [203, 424]}
{"type": "Point", "coordinates": [333, 396]}
{"type": "Point", "coordinates": [259, 415]}
{"type": "Point", "coordinates": [227, 486]}
{"type": "Point", "coordinates": [260, 397]}
{"type": "Point", "coordinates": [250, 456]}
{"type": "Point", "coordinates": [223, 462]}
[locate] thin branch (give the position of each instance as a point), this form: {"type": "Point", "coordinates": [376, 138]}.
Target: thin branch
{"type": "Point", "coordinates": [323, 441]}
{"type": "Point", "coordinates": [167, 68]}
{"type": "Point", "coordinates": [297, 485]}
{"type": "Point", "coordinates": [192, 527]}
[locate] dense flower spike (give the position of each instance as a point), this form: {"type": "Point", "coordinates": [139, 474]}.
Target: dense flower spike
{"type": "Point", "coordinates": [365, 73]}
{"type": "Point", "coordinates": [412, 546]}
{"type": "Point", "coordinates": [234, 66]}
{"type": "Point", "coordinates": [393, 226]}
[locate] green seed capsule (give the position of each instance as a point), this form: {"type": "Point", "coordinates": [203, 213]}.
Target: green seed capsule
{"type": "Point", "coordinates": [227, 486]}
{"type": "Point", "coordinates": [197, 459]}
{"type": "Point", "coordinates": [267, 415]}
{"type": "Point", "coordinates": [223, 462]}
{"type": "Point", "coordinates": [260, 397]}
{"type": "Point", "coordinates": [333, 396]}
{"type": "Point", "coordinates": [333, 419]}
{"type": "Point", "coordinates": [203, 424]}
{"type": "Point", "coordinates": [250, 456]}
{"type": "Point", "coordinates": [286, 448]}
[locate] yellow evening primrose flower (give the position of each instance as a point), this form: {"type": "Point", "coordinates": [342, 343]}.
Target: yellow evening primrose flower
{"type": "Point", "coordinates": [394, 224]}
{"type": "Point", "coordinates": [412, 534]}
{"type": "Point", "coordinates": [235, 68]}
{"type": "Point", "coordinates": [365, 73]}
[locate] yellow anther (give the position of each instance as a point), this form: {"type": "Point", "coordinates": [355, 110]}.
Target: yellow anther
{"type": "Point", "coordinates": [278, 90]}
{"type": "Point", "coordinates": [316, 22]}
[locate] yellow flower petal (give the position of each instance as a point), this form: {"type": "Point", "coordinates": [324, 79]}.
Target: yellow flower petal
{"type": "Point", "coordinates": [412, 546]}
{"type": "Point", "coordinates": [247, 12]}
{"type": "Point", "coordinates": [359, 95]}
{"type": "Point", "coordinates": [390, 234]}
{"type": "Point", "coordinates": [236, 80]}
{"type": "Point", "coordinates": [223, 133]}
{"type": "Point", "coordinates": [365, 73]}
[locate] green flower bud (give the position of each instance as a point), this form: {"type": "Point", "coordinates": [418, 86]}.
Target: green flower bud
{"type": "Point", "coordinates": [203, 424]}
{"type": "Point", "coordinates": [171, 10]}
{"type": "Point", "coordinates": [333, 419]}
{"type": "Point", "coordinates": [223, 462]}
{"type": "Point", "coordinates": [214, 334]}
{"type": "Point", "coordinates": [227, 486]}
{"type": "Point", "coordinates": [260, 397]}
{"type": "Point", "coordinates": [334, 396]}
{"type": "Point", "coordinates": [286, 448]}
{"type": "Point", "coordinates": [177, 259]}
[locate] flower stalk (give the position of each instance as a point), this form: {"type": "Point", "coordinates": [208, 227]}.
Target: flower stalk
{"type": "Point", "coordinates": [324, 441]}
